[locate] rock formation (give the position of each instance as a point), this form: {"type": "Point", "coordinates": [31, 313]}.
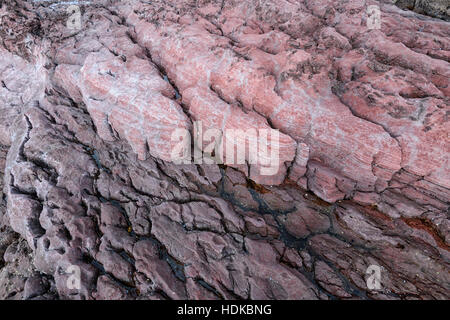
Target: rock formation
{"type": "Point", "coordinates": [359, 116]}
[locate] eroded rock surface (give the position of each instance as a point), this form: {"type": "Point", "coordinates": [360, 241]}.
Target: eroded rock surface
{"type": "Point", "coordinates": [434, 8]}
{"type": "Point", "coordinates": [86, 123]}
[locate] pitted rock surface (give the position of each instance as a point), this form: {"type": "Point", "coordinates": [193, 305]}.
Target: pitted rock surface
{"type": "Point", "coordinates": [85, 151]}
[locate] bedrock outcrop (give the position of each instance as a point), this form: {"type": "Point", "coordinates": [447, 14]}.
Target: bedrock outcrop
{"type": "Point", "coordinates": [434, 8]}
{"type": "Point", "coordinates": [358, 117]}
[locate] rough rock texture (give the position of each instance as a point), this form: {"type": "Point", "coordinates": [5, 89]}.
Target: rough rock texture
{"type": "Point", "coordinates": [85, 151]}
{"type": "Point", "coordinates": [434, 8]}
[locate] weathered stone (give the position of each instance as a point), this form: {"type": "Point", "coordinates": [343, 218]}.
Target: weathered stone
{"type": "Point", "coordinates": [88, 181]}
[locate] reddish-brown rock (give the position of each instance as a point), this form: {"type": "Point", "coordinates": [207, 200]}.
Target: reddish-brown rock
{"type": "Point", "coordinates": [88, 178]}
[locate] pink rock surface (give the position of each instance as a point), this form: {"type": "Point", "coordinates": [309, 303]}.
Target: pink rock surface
{"type": "Point", "coordinates": [86, 125]}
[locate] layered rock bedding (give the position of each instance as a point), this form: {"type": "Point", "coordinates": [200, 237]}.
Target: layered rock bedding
{"type": "Point", "coordinates": [91, 95]}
